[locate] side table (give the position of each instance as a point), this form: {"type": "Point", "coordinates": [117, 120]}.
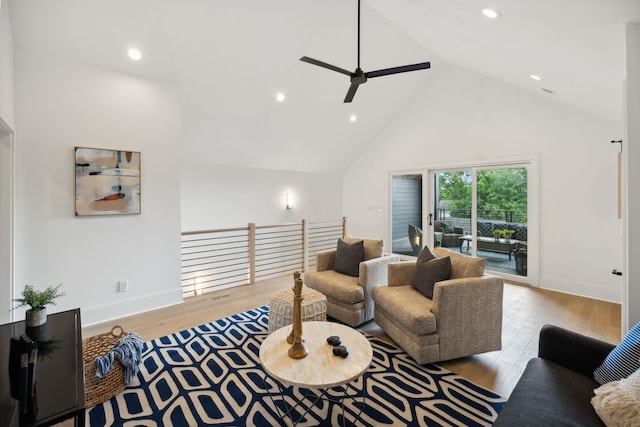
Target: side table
{"type": "Point", "coordinates": [59, 371]}
{"type": "Point", "coordinates": [320, 370]}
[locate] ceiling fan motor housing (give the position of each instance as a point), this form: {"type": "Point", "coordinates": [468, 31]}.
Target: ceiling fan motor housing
{"type": "Point", "coordinates": [358, 77]}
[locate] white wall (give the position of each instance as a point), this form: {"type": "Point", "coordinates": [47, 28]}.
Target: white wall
{"type": "Point", "coordinates": [61, 104]}
{"type": "Point", "coordinates": [463, 116]}
{"type": "Point", "coordinates": [631, 144]}
{"type": "Point", "coordinates": [224, 196]}
{"type": "Point", "coordinates": [6, 64]}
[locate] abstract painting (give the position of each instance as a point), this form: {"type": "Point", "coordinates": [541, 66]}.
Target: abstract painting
{"type": "Point", "coordinates": [107, 182]}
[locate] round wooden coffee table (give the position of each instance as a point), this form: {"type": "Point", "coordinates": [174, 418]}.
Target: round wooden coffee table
{"type": "Point", "coordinates": [320, 369]}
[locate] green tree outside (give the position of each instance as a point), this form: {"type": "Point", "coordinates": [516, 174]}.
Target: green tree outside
{"type": "Point", "coordinates": [502, 194]}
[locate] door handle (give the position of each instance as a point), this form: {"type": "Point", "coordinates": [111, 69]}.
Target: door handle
{"type": "Point", "coordinates": [430, 219]}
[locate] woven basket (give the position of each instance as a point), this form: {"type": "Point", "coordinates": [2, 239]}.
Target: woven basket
{"type": "Point", "coordinates": [98, 390]}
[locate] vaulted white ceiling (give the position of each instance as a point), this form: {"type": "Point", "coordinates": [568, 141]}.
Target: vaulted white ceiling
{"type": "Point", "coordinates": [230, 57]}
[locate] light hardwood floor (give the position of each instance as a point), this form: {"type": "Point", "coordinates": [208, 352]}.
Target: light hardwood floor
{"type": "Point", "coordinates": [526, 309]}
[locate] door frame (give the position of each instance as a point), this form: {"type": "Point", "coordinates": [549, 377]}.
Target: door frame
{"type": "Point", "coordinates": [531, 162]}
{"type": "Point", "coordinates": [7, 177]}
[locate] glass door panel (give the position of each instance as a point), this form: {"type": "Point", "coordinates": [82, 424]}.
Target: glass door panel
{"type": "Point", "coordinates": [494, 200]}
{"type": "Point", "coordinates": [406, 214]}
{"type": "Point", "coordinates": [452, 209]}
{"type": "Point", "coordinates": [501, 225]}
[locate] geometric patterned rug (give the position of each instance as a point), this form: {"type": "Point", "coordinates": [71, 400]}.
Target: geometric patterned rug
{"type": "Point", "coordinates": [211, 375]}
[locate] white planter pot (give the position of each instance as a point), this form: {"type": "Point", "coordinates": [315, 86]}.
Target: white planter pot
{"type": "Point", "coordinates": [36, 318]}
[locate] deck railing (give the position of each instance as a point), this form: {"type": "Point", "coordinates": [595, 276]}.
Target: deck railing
{"type": "Point", "coordinates": [504, 215]}
{"type": "Point", "coordinates": [227, 257]}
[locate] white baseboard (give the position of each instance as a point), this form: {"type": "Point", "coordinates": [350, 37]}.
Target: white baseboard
{"type": "Point", "coordinates": [585, 289]}
{"type": "Point", "coordinates": [108, 312]}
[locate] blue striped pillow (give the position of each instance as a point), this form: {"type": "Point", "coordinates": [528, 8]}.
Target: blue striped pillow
{"type": "Point", "coordinates": [623, 360]}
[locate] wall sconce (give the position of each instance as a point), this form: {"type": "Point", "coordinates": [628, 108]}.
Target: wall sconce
{"type": "Point", "coordinates": [288, 201]}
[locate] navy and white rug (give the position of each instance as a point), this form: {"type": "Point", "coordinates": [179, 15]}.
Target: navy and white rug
{"type": "Point", "coordinates": [211, 375]}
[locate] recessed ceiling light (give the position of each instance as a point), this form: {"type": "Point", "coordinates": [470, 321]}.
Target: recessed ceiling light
{"type": "Point", "coordinates": [280, 97]}
{"type": "Point", "coordinates": [353, 118]}
{"type": "Point", "coordinates": [535, 77]}
{"type": "Point", "coordinates": [134, 54]}
{"type": "Point", "coordinates": [491, 13]}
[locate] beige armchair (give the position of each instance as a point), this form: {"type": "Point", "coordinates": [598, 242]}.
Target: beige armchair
{"type": "Point", "coordinates": [463, 318]}
{"type": "Point", "coordinates": [349, 298]}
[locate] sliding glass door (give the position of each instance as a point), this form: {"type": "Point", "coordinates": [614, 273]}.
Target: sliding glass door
{"type": "Point", "coordinates": [501, 221]}
{"type": "Point", "coordinates": [479, 210]}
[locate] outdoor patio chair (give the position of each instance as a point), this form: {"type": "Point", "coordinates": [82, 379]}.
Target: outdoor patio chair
{"type": "Point", "coordinates": [415, 238]}
{"type": "Point", "coordinates": [450, 234]}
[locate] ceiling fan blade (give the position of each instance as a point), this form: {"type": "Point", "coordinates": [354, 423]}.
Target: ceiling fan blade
{"type": "Point", "coordinates": [325, 65]}
{"type": "Point", "coordinates": [351, 92]}
{"type": "Point", "coordinates": [396, 70]}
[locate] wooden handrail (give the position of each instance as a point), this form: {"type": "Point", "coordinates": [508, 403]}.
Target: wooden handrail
{"type": "Point", "coordinates": [215, 230]}
{"type": "Point", "coordinates": [242, 255]}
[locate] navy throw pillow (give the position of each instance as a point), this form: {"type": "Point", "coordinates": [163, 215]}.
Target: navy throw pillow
{"type": "Point", "coordinates": [348, 257]}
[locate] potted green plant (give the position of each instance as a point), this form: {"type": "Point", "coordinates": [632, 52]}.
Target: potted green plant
{"type": "Point", "coordinates": [497, 234]}
{"type": "Point", "coordinates": [38, 301]}
{"type": "Point", "coordinates": [508, 234]}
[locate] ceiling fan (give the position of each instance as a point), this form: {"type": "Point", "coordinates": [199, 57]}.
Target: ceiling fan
{"type": "Point", "coordinates": [359, 77]}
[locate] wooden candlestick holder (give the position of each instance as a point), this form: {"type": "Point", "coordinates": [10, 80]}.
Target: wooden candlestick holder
{"type": "Point", "coordinates": [298, 350]}
{"type": "Point", "coordinates": [296, 277]}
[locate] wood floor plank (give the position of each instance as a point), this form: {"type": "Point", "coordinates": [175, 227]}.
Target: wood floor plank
{"type": "Point", "coordinates": [525, 310]}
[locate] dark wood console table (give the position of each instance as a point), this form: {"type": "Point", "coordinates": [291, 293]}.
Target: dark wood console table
{"type": "Point", "coordinates": [490, 244]}
{"type": "Point", "coordinates": [59, 375]}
